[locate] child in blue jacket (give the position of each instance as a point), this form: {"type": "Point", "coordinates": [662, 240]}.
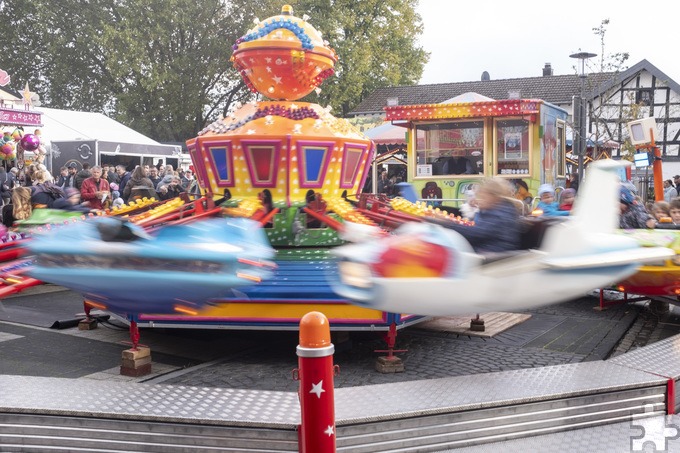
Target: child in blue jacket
{"type": "Point", "coordinates": [547, 203]}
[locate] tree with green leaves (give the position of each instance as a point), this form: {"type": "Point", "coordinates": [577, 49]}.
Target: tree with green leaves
{"type": "Point", "coordinates": [162, 66]}
{"type": "Point", "coordinates": [376, 45]}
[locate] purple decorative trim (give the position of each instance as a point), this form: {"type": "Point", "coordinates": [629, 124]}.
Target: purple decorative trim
{"type": "Point", "coordinates": [208, 146]}
{"type": "Point", "coordinates": [199, 165]}
{"type": "Point", "coordinates": [369, 159]}
{"type": "Point", "coordinates": [351, 147]}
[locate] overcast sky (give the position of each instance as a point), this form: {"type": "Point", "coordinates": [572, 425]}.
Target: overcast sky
{"type": "Point", "coordinates": [511, 39]}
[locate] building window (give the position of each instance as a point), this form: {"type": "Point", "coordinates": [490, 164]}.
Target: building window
{"type": "Point", "coordinates": [512, 147]}
{"type": "Point", "coordinates": [643, 97]}
{"type": "Point", "coordinates": [452, 148]}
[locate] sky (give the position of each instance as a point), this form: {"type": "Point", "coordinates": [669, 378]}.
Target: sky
{"type": "Point", "coordinates": [512, 39]}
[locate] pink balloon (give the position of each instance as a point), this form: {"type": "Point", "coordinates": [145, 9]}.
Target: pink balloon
{"type": "Point", "coordinates": [30, 142]}
{"type": "Point", "coordinates": [7, 149]}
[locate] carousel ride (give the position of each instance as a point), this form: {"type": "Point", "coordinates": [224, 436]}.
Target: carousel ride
{"type": "Point", "coordinates": [288, 166]}
{"type": "Point", "coordinates": [292, 173]}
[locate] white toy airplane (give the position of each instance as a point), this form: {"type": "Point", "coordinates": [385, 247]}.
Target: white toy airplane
{"type": "Point", "coordinates": [429, 270]}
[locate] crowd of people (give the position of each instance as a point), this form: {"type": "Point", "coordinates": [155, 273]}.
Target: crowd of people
{"type": "Point", "coordinates": [496, 205]}
{"type": "Point", "coordinates": [89, 188]}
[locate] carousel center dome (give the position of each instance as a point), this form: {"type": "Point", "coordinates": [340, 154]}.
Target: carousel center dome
{"type": "Point", "coordinates": [283, 57]}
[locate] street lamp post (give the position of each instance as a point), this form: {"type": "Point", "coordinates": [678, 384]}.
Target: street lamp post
{"type": "Point", "coordinates": [580, 113]}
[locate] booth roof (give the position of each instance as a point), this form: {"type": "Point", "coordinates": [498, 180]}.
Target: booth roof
{"type": "Point", "coordinates": [387, 134]}
{"type": "Point", "coordinates": [70, 125]}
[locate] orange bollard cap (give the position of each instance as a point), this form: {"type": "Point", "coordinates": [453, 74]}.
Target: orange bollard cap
{"type": "Point", "coordinates": [315, 332]}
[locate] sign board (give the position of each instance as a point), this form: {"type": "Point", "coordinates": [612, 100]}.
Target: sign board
{"type": "Point", "coordinates": [20, 117]}
{"type": "Point", "coordinates": [641, 160]}
{"type": "Point", "coordinates": [641, 131]}
{"type": "Point", "coordinates": [424, 170]}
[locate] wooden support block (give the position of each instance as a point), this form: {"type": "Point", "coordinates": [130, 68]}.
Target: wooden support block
{"type": "Point", "coordinates": [134, 354]}
{"type": "Point", "coordinates": [130, 363]}
{"type": "Point", "coordinates": [389, 365]}
{"type": "Point", "coordinates": [87, 324]}
{"type": "Point", "coordinates": [136, 362]}
{"type": "Point", "coordinates": [136, 372]}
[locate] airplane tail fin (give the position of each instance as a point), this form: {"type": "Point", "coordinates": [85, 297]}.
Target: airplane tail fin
{"type": "Point", "coordinates": [596, 212]}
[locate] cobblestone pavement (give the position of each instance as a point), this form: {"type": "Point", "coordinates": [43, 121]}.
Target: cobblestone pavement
{"type": "Point", "coordinates": [565, 333]}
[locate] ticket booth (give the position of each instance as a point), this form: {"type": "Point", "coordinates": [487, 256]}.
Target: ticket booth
{"type": "Point", "coordinates": [453, 146]}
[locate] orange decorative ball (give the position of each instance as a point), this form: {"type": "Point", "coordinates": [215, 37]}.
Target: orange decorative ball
{"type": "Point", "coordinates": [283, 57]}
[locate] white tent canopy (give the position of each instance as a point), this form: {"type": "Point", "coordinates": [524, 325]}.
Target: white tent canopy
{"type": "Point", "coordinates": [69, 125]}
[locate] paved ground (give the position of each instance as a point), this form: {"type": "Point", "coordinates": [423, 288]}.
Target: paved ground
{"type": "Point", "coordinates": [564, 333]}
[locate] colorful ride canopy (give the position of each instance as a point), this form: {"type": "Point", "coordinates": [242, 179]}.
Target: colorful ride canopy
{"type": "Point", "coordinates": [283, 57]}
{"type": "Point", "coordinates": [286, 147]}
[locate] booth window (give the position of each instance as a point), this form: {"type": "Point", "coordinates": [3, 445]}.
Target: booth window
{"type": "Point", "coordinates": [512, 147]}
{"type": "Point", "coordinates": [451, 148]}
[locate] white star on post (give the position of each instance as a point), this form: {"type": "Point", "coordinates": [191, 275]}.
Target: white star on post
{"type": "Point", "coordinates": [317, 389]}
{"type": "Point", "coordinates": [329, 431]}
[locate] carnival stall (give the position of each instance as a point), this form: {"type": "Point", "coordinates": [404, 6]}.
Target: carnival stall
{"type": "Point", "coordinates": [22, 142]}
{"type": "Point", "coordinates": [455, 144]}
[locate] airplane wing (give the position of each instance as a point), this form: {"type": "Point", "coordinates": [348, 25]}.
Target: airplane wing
{"type": "Point", "coordinates": [614, 258]}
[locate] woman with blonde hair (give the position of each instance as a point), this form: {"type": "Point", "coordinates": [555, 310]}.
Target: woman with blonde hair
{"type": "Point", "coordinates": [21, 202]}
{"type": "Point", "coordinates": [497, 226]}
{"type": "Point", "coordinates": [44, 192]}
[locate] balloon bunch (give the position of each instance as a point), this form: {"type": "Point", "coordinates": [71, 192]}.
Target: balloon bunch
{"type": "Point", "coordinates": [8, 146]}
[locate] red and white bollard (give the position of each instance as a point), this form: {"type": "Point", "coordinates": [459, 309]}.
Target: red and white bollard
{"type": "Point", "coordinates": [315, 373]}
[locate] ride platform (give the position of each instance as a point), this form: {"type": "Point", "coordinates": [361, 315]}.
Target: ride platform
{"type": "Point", "coordinates": [509, 408]}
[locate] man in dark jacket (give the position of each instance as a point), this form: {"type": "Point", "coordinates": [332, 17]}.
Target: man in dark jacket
{"type": "Point", "coordinates": [154, 176]}
{"type": "Point", "coordinates": [124, 176]}
{"type": "Point", "coordinates": [70, 179]}
{"type": "Point", "coordinates": [82, 175]}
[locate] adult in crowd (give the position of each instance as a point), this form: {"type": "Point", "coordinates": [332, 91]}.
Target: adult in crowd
{"type": "Point", "coordinates": [497, 225]}
{"type": "Point", "coordinates": [384, 185]}
{"type": "Point", "coordinates": [6, 185]}
{"type": "Point", "coordinates": [187, 179]}
{"type": "Point", "coordinates": [111, 175]}
{"type": "Point", "coordinates": [154, 177]}
{"type": "Point", "coordinates": [44, 191]}
{"type": "Point", "coordinates": [70, 180]}
{"type": "Point", "coordinates": [633, 213]}
{"type": "Point", "coordinates": [669, 191]}
{"type": "Point", "coordinates": [572, 181]}
{"type": "Point", "coordinates": [138, 186]}
{"type": "Point", "coordinates": [169, 187]}
{"type": "Point", "coordinates": [96, 190]}
{"type": "Point", "coordinates": [82, 175]}
{"type": "Point", "coordinates": [123, 176]}
{"type": "Point", "coordinates": [20, 208]}
{"type": "Point", "coordinates": [676, 183]}
{"type": "Point", "coordinates": [63, 175]}
{"type": "Point", "coordinates": [522, 194]}
{"type": "Point", "coordinates": [167, 170]}
{"type": "Point", "coordinates": [28, 175]}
